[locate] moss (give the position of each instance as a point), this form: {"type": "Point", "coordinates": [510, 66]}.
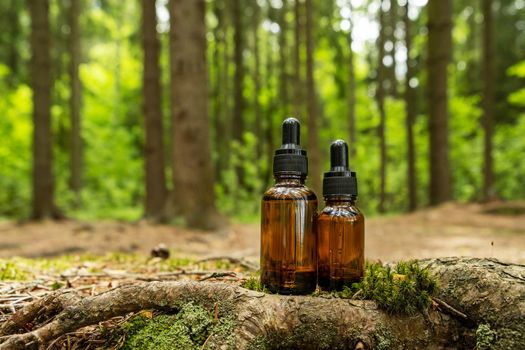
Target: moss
{"type": "Point", "coordinates": [190, 328]}
{"type": "Point", "coordinates": [9, 270]}
{"type": "Point", "coordinates": [254, 283]}
{"type": "Point", "coordinates": [404, 289]}
{"type": "Point", "coordinates": [485, 336]}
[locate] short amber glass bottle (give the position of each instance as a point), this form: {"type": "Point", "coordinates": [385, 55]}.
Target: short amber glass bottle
{"type": "Point", "coordinates": [288, 221]}
{"type": "Point", "coordinates": [341, 225]}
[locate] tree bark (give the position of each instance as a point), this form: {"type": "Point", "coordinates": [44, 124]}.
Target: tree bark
{"type": "Point", "coordinates": [257, 79]}
{"type": "Point", "coordinates": [380, 97]}
{"type": "Point", "coordinates": [75, 99]}
{"type": "Point", "coordinates": [488, 100]}
{"type": "Point", "coordinates": [41, 83]}
{"type": "Point", "coordinates": [410, 107]}
{"type": "Point", "coordinates": [238, 82]}
{"type": "Point", "coordinates": [351, 94]}
{"type": "Point", "coordinates": [193, 176]}
{"type": "Point", "coordinates": [313, 132]}
{"type": "Point", "coordinates": [472, 292]}
{"type": "Point", "coordinates": [298, 44]}
{"type": "Point", "coordinates": [155, 177]}
{"type": "Point", "coordinates": [439, 55]}
{"type": "Point", "coordinates": [284, 99]}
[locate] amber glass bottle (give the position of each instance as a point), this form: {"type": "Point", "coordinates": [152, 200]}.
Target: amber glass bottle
{"type": "Point", "coordinates": [341, 226]}
{"type": "Point", "coordinates": [288, 221]}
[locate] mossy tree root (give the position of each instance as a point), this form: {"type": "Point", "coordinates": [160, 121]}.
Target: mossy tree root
{"type": "Point", "coordinates": [487, 291]}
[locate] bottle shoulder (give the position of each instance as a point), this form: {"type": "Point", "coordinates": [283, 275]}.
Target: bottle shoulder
{"type": "Point", "coordinates": [290, 192]}
{"type": "Point", "coordinates": [350, 212]}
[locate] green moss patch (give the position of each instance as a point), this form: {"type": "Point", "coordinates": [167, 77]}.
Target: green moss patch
{"type": "Point", "coordinates": [191, 328]}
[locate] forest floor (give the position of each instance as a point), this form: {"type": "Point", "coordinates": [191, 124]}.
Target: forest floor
{"type": "Point", "coordinates": [493, 230]}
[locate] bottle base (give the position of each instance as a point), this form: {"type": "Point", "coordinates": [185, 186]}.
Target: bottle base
{"type": "Point", "coordinates": [289, 283]}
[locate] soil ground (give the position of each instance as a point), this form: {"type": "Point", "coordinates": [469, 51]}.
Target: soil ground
{"type": "Point", "coordinates": [494, 230]}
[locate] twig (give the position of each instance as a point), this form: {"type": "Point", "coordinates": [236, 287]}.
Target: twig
{"type": "Point", "coordinates": [450, 309]}
{"type": "Point", "coordinates": [231, 260]}
{"type": "Point", "coordinates": [218, 275]}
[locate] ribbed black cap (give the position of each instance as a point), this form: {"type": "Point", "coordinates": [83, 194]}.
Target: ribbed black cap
{"type": "Point", "coordinates": [290, 158]}
{"type": "Point", "coordinates": [340, 180]}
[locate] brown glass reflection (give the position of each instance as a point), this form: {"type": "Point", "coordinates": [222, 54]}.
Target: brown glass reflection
{"type": "Point", "coordinates": [288, 237]}
{"type": "Point", "coordinates": [341, 244]}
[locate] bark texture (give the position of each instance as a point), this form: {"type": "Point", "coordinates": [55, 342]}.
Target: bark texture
{"type": "Point", "coordinates": [439, 55]}
{"type": "Point", "coordinates": [488, 100]}
{"type": "Point", "coordinates": [75, 100]}
{"type": "Point", "coordinates": [314, 153]}
{"type": "Point", "coordinates": [411, 110]}
{"type": "Point", "coordinates": [154, 146]}
{"type": "Point", "coordinates": [380, 97]}
{"type": "Point", "coordinates": [193, 176]}
{"type": "Point", "coordinates": [473, 291]}
{"type": "Point", "coordinates": [43, 179]}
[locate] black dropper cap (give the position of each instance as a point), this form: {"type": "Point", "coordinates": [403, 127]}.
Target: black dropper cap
{"type": "Point", "coordinates": [340, 180]}
{"type": "Point", "coordinates": [290, 157]}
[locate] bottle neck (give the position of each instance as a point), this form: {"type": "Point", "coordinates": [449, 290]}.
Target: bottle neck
{"type": "Point", "coordinates": [340, 200]}
{"type": "Point", "coordinates": [289, 180]}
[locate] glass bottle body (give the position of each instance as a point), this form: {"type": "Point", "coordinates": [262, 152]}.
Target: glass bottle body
{"type": "Point", "coordinates": [288, 237]}
{"type": "Point", "coordinates": [341, 244]}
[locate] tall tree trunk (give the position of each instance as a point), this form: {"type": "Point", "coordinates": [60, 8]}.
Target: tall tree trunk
{"type": "Point", "coordinates": [75, 99]}
{"type": "Point", "coordinates": [269, 130]}
{"type": "Point", "coordinates": [283, 57]}
{"type": "Point", "coordinates": [390, 28]}
{"type": "Point", "coordinates": [193, 176]}
{"type": "Point", "coordinates": [410, 106]}
{"type": "Point", "coordinates": [154, 146]}
{"type": "Point", "coordinates": [351, 93]}
{"type": "Point", "coordinates": [298, 81]}
{"type": "Point", "coordinates": [439, 55]}
{"type": "Point", "coordinates": [488, 100]}
{"type": "Point", "coordinates": [313, 132]}
{"type": "Point", "coordinates": [380, 96]}
{"type": "Point", "coordinates": [43, 179]}
{"type": "Point", "coordinates": [257, 78]}
{"type": "Point", "coordinates": [14, 34]}
{"type": "Point", "coordinates": [238, 83]}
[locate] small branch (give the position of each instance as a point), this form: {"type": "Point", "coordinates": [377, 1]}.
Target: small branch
{"type": "Point", "coordinates": [450, 310]}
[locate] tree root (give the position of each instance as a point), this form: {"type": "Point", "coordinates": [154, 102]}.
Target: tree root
{"type": "Point", "coordinates": [474, 288]}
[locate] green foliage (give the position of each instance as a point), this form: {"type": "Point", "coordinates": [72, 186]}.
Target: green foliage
{"type": "Point", "coordinates": [485, 336]}
{"type": "Point", "coordinates": [404, 289]}
{"type": "Point", "coordinates": [254, 283]}
{"type": "Point", "coordinates": [10, 271]}
{"type": "Point", "coordinates": [188, 329]}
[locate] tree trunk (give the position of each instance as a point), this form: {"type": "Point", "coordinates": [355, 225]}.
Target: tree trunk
{"type": "Point", "coordinates": [257, 79]}
{"type": "Point", "coordinates": [313, 132]}
{"type": "Point", "coordinates": [43, 179]}
{"type": "Point", "coordinates": [75, 99]}
{"type": "Point", "coordinates": [488, 100]}
{"type": "Point", "coordinates": [238, 82]}
{"type": "Point", "coordinates": [410, 107]}
{"type": "Point", "coordinates": [284, 99]}
{"type": "Point", "coordinates": [439, 55]}
{"type": "Point", "coordinates": [298, 81]}
{"type": "Point", "coordinates": [472, 292]}
{"type": "Point", "coordinates": [390, 29]}
{"type": "Point", "coordinates": [14, 35]}
{"type": "Point", "coordinates": [380, 96]}
{"type": "Point", "coordinates": [351, 94]}
{"type": "Point", "coordinates": [154, 146]}
{"type": "Point", "coordinates": [192, 168]}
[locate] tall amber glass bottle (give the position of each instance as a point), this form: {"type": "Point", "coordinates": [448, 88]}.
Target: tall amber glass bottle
{"type": "Point", "coordinates": [288, 221]}
{"type": "Point", "coordinates": [341, 226]}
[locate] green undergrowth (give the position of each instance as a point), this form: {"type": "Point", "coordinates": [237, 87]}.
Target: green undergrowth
{"type": "Point", "coordinates": [405, 288]}
{"type": "Point", "coordinates": [193, 327]}
{"type": "Point", "coordinates": [485, 336]}
{"type": "Point", "coordinates": [23, 269]}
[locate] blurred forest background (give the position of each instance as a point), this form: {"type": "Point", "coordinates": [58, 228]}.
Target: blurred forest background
{"type": "Point", "coordinates": [172, 110]}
